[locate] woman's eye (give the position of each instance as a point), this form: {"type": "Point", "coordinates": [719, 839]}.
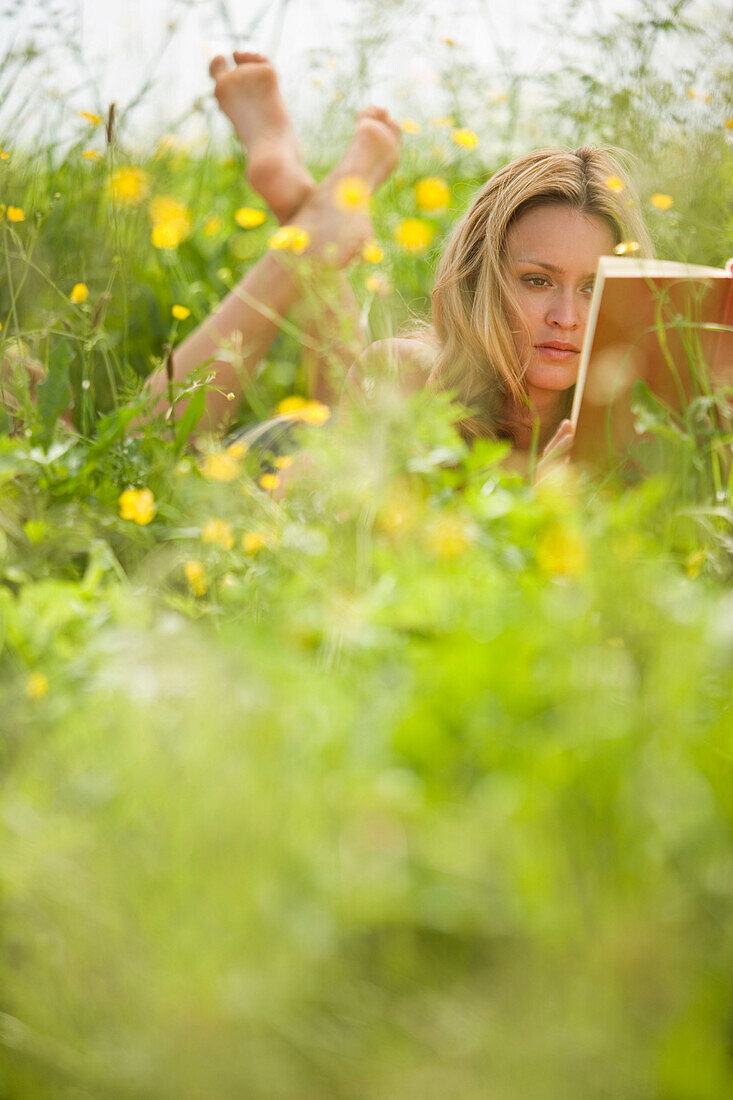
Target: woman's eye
{"type": "Point", "coordinates": [537, 280]}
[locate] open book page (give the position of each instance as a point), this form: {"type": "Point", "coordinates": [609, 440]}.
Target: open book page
{"type": "Point", "coordinates": [655, 320]}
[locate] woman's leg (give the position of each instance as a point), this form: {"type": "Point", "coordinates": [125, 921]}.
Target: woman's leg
{"type": "Point", "coordinates": [329, 316]}
{"type": "Point", "coordinates": [239, 332]}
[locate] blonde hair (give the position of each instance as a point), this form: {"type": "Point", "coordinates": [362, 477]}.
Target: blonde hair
{"type": "Point", "coordinates": [474, 350]}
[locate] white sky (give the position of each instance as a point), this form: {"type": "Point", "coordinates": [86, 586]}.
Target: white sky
{"type": "Point", "coordinates": [105, 50]}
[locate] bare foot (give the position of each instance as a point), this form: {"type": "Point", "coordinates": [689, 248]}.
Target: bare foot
{"type": "Point", "coordinates": [336, 228]}
{"type": "Point", "coordinates": [250, 97]}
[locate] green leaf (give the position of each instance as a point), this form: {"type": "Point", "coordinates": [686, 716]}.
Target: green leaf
{"type": "Point", "coordinates": [189, 420]}
{"type": "Point", "coordinates": [54, 393]}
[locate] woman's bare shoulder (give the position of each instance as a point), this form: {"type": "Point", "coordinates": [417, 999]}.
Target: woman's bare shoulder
{"type": "Point", "coordinates": [409, 357]}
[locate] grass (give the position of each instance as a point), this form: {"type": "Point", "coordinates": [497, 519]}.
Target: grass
{"type": "Point", "coordinates": [414, 783]}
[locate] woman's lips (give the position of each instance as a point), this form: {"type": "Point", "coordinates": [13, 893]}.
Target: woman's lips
{"type": "Point", "coordinates": [556, 355]}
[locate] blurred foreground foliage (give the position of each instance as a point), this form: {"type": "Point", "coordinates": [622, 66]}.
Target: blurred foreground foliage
{"type": "Point", "coordinates": [416, 782]}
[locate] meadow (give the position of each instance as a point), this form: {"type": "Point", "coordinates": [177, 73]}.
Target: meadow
{"type": "Point", "coordinates": [414, 781]}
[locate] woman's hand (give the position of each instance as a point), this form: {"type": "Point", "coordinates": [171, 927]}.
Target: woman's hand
{"type": "Point", "coordinates": [557, 451]}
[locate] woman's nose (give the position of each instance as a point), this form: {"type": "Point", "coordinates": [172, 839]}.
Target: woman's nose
{"type": "Point", "coordinates": [564, 311]}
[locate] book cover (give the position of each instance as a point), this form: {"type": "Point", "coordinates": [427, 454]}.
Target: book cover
{"type": "Point", "coordinates": [658, 321]}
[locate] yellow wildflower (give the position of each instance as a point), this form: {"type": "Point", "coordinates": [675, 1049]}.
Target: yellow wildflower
{"type": "Point", "coordinates": [289, 406]}
{"type": "Point", "coordinates": [212, 225]}
{"type": "Point", "coordinates": [729, 124]}
{"type": "Point", "coordinates": [166, 235]}
{"type": "Point", "coordinates": [91, 118]}
{"type": "Point", "coordinates": [372, 253]}
{"type": "Point", "coordinates": [219, 533]}
{"type": "Point", "coordinates": [352, 193]}
{"type": "Point", "coordinates": [282, 462]}
{"type": "Point", "coordinates": [269, 481]}
{"type": "Point", "coordinates": [3, 154]}
{"type": "Point", "coordinates": [377, 284]}
{"type": "Point", "coordinates": [410, 126]}
{"type": "Point", "coordinates": [196, 577]}
{"type": "Point", "coordinates": [290, 238]}
{"type": "Point", "coordinates": [467, 139]}
{"type": "Point", "coordinates": [171, 220]}
{"type": "Point", "coordinates": [253, 542]}
{"type": "Point", "coordinates": [432, 193]}
{"type": "Point", "coordinates": [626, 248]}
{"type": "Point", "coordinates": [36, 685]}
{"type": "Point", "coordinates": [180, 312]}
{"type": "Point", "coordinates": [238, 449]}
{"type": "Point", "coordinates": [248, 217]}
{"type": "Point", "coordinates": [137, 505]}
{"type": "Point", "coordinates": [414, 235]}
{"type": "Point", "coordinates": [661, 201]}
{"type": "Point", "coordinates": [315, 413]}
{"type": "Point", "coordinates": [79, 293]}
{"type": "Point", "coordinates": [448, 537]}
{"type": "Point", "coordinates": [15, 214]}
{"type": "Point", "coordinates": [90, 154]}
{"type": "Point", "coordinates": [220, 466]}
{"type": "Point", "coordinates": [561, 552]}
{"type": "Point", "coordinates": [694, 563]}
{"type": "Point", "coordinates": [128, 186]}
{"type": "Point", "coordinates": [309, 412]}
{"type": "Point", "coordinates": [613, 183]}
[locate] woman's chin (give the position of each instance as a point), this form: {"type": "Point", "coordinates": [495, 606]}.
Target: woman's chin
{"type": "Point", "coordinates": [552, 376]}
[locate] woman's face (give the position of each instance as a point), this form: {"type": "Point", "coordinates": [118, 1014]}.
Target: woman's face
{"type": "Point", "coordinates": [552, 253]}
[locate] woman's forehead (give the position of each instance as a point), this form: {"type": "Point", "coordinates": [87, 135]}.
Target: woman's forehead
{"type": "Point", "coordinates": [554, 232]}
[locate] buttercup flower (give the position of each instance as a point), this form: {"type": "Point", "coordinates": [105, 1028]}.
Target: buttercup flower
{"type": "Point", "coordinates": [377, 284]}
{"type": "Point", "coordinates": [290, 238]}
{"type": "Point", "coordinates": [289, 406]}
{"type": "Point", "coordinates": [409, 126]}
{"type": "Point", "coordinates": [137, 505]}
{"type": "Point", "coordinates": [253, 542]}
{"type": "Point", "coordinates": [448, 537]}
{"type": "Point", "coordinates": [196, 577]}
{"type": "Point", "coordinates": [309, 412]}
{"type": "Point", "coordinates": [269, 481]}
{"type": "Point", "coordinates": [36, 685]}
{"type": "Point", "coordinates": [248, 217]}
{"type": "Point", "coordinates": [432, 193]}
{"type": "Point", "coordinates": [282, 462]}
{"type": "Point", "coordinates": [467, 139]}
{"type": "Point", "coordinates": [613, 183]}
{"type": "Point", "coordinates": [219, 533]}
{"type": "Point", "coordinates": [661, 201]}
{"type": "Point", "coordinates": [171, 220]}
{"type": "Point", "coordinates": [79, 293]}
{"type": "Point", "coordinates": [561, 552]}
{"type": "Point", "coordinates": [212, 225]}
{"type": "Point", "coordinates": [90, 154]}
{"type": "Point", "coordinates": [372, 253]}
{"type": "Point", "coordinates": [414, 235]}
{"type": "Point", "coordinates": [180, 312]}
{"type": "Point", "coordinates": [3, 154]}
{"type": "Point", "coordinates": [352, 193]}
{"type": "Point", "coordinates": [15, 214]}
{"type": "Point", "coordinates": [221, 465]}
{"type": "Point", "coordinates": [128, 186]}
{"type": "Point", "coordinates": [694, 563]}
{"type": "Point", "coordinates": [91, 118]}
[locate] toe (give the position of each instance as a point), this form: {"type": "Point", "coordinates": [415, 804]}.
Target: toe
{"type": "Point", "coordinates": [218, 66]}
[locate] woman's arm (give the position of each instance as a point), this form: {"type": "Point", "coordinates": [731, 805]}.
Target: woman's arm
{"type": "Point", "coordinates": [234, 337]}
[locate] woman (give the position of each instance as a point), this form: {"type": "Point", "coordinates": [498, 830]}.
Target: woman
{"type": "Point", "coordinates": [512, 292]}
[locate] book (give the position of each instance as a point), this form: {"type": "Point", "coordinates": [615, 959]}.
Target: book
{"type": "Point", "coordinates": [651, 320]}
